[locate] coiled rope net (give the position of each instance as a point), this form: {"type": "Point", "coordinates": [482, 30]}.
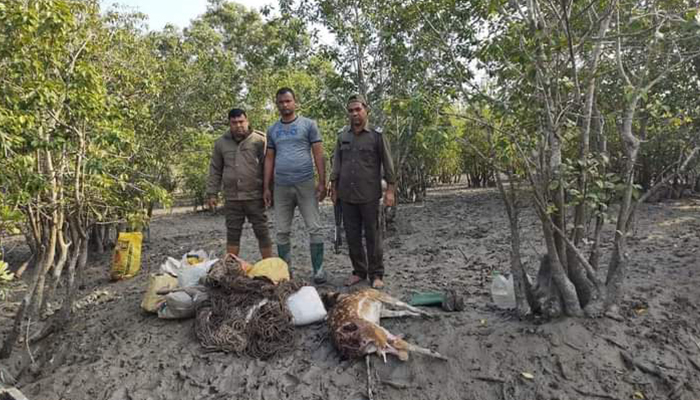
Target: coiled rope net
{"type": "Point", "coordinates": [245, 316]}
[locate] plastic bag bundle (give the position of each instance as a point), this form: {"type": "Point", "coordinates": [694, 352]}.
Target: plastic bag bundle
{"type": "Point", "coordinates": [156, 283]}
{"type": "Point", "coordinates": [190, 276]}
{"type": "Point", "coordinates": [190, 268]}
{"type": "Point", "coordinates": [181, 303]}
{"type": "Point", "coordinates": [177, 305]}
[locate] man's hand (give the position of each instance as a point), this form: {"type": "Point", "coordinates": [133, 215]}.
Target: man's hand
{"type": "Point", "coordinates": [267, 198]}
{"type": "Point", "coordinates": [212, 203]}
{"type": "Point", "coordinates": [389, 199]}
{"type": "Point", "coordinates": [321, 191]}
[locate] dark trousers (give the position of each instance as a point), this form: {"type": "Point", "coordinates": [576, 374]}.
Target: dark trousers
{"type": "Point", "coordinates": [356, 218]}
{"type": "Point", "coordinates": [236, 213]}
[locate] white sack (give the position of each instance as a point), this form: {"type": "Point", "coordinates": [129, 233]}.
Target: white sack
{"type": "Point", "coordinates": [306, 306]}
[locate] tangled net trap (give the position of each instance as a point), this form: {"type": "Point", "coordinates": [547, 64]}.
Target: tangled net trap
{"type": "Point", "coordinates": [245, 316]}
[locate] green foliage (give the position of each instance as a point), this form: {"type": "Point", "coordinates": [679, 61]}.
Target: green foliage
{"type": "Point", "coordinates": [388, 51]}
{"type": "Point", "coordinates": [5, 278]}
{"type": "Point", "coordinates": [10, 220]}
{"type": "Point", "coordinates": [5, 274]}
{"type": "Point", "coordinates": [194, 166]}
{"type": "Point", "coordinates": [231, 57]}
{"type": "Point", "coordinates": [77, 94]}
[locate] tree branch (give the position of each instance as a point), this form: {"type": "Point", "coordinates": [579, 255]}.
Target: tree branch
{"type": "Point", "coordinates": [668, 70]}
{"type": "Point", "coordinates": [664, 181]}
{"type": "Point", "coordinates": [619, 54]}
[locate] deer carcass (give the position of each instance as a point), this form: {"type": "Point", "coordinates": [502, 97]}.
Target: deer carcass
{"type": "Point", "coordinates": [355, 329]}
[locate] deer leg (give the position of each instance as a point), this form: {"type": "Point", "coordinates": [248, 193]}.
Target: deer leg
{"type": "Point", "coordinates": [398, 313]}
{"type": "Point", "coordinates": [401, 344]}
{"type": "Point", "coordinates": [385, 298]}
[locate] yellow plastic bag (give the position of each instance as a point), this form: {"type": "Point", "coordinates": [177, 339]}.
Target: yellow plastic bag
{"type": "Point", "coordinates": [126, 261]}
{"type": "Point", "coordinates": [157, 282]}
{"type": "Point", "coordinates": [273, 268]}
{"type": "Point", "coordinates": [193, 259]}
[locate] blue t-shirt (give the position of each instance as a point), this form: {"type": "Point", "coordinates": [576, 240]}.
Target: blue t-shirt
{"type": "Point", "coordinates": [292, 142]}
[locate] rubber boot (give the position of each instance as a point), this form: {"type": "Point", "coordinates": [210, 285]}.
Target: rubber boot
{"type": "Point", "coordinates": [284, 251]}
{"type": "Point", "coordinates": [317, 262]}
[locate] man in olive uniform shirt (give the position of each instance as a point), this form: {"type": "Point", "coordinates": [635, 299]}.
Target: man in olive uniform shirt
{"type": "Point", "coordinates": [360, 154]}
{"type": "Point", "coordinates": [237, 161]}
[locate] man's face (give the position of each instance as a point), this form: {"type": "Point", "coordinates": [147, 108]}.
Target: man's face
{"type": "Point", "coordinates": [239, 127]}
{"type": "Point", "coordinates": [286, 104]}
{"type": "Point", "coordinates": [357, 114]}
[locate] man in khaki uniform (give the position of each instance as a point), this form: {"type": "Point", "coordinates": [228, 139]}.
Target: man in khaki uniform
{"type": "Point", "coordinates": [237, 162]}
{"type": "Point", "coordinates": [360, 154]}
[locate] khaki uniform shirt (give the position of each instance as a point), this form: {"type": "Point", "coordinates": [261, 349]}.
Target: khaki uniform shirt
{"type": "Point", "coordinates": [357, 164]}
{"type": "Point", "coordinates": [238, 166]}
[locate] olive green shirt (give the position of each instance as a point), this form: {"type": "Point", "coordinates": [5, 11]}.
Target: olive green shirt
{"type": "Point", "coordinates": [358, 160]}
{"type": "Point", "coordinates": [238, 166]}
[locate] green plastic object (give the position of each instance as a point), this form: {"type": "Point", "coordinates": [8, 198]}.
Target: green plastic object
{"type": "Point", "coordinates": [427, 299]}
{"type": "Point", "coordinates": [448, 301]}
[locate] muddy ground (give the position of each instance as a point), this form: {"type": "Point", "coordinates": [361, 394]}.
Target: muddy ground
{"type": "Point", "coordinates": [111, 350]}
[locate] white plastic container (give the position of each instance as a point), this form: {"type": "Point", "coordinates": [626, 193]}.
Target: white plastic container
{"type": "Point", "coordinates": [502, 291]}
{"type": "Point", "coordinates": [306, 306]}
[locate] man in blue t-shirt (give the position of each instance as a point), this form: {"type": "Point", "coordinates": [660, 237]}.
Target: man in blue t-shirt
{"type": "Point", "coordinates": [291, 143]}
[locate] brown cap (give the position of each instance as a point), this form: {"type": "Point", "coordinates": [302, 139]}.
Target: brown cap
{"type": "Point", "coordinates": [356, 98]}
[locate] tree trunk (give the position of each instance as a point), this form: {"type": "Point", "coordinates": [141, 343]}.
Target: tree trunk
{"type": "Point", "coordinates": [25, 306]}
{"type": "Point", "coordinates": [52, 225]}
{"type": "Point", "coordinates": [78, 262]}
{"type": "Point", "coordinates": [44, 267]}
{"type": "Point", "coordinates": [523, 292]}
{"type": "Point", "coordinates": [13, 334]}
{"type": "Point", "coordinates": [594, 258]}
{"type": "Point", "coordinates": [572, 307]}
{"type": "Point", "coordinates": [577, 274]}
{"type": "Point", "coordinates": [618, 262]}
{"type": "Point", "coordinates": [617, 270]}
{"type": "Point", "coordinates": [57, 270]}
{"type": "Point", "coordinates": [602, 145]}
{"type": "Point", "coordinates": [97, 238]}
{"type": "Point", "coordinates": [108, 241]}
{"type": "Point", "coordinates": [29, 240]}
{"type": "Point", "coordinates": [559, 217]}
{"type": "Point", "coordinates": [360, 56]}
{"type": "Point", "coordinates": [584, 287]}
